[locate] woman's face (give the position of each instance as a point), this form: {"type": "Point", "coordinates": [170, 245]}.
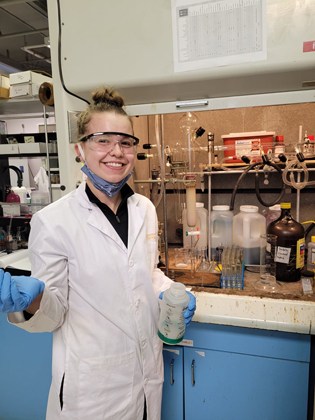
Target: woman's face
{"type": "Point", "coordinates": [114, 165]}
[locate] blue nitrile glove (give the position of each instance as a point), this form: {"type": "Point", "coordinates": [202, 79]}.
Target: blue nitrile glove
{"type": "Point", "coordinates": [190, 312]}
{"type": "Point", "coordinates": [17, 292]}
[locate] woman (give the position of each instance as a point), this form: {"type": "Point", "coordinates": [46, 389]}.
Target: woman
{"type": "Point", "coordinates": [94, 253]}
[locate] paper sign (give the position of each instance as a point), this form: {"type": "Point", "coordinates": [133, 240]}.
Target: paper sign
{"type": "Point", "coordinates": [218, 32]}
{"type": "Point", "coordinates": [283, 255]}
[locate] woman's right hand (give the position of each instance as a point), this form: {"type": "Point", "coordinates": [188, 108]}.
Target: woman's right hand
{"type": "Point", "coordinates": [18, 292]}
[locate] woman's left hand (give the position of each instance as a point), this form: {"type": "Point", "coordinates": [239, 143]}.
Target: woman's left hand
{"type": "Point", "coordinates": [190, 312]}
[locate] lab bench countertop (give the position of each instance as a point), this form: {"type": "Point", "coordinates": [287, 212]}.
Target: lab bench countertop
{"type": "Point", "coordinates": [289, 311]}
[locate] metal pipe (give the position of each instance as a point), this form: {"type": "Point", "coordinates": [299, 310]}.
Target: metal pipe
{"type": "Point", "coordinates": [298, 198]}
{"type": "Point", "coordinates": [164, 197]}
{"type": "Point", "coordinates": [210, 153]}
{"type": "Point", "coordinates": [209, 216]}
{"type": "Point", "coordinates": [47, 155]}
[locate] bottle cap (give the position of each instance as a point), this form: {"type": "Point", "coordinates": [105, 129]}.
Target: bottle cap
{"type": "Point", "coordinates": [313, 238]}
{"type": "Point", "coordinates": [279, 138]}
{"type": "Point", "coordinates": [221, 208]}
{"type": "Point", "coordinates": [200, 205]}
{"type": "Point", "coordinates": [177, 290]}
{"type": "Point", "coordinates": [249, 209]}
{"type": "Point", "coordinates": [311, 137]}
{"type": "Point", "coordinates": [275, 207]}
{"type": "Point", "coordinates": [285, 205]}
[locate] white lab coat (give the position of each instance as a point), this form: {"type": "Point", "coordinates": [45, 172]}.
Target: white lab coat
{"type": "Point", "coordinates": [101, 301]}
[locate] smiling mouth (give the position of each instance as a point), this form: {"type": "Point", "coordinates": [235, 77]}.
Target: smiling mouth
{"type": "Point", "coordinates": [114, 164]}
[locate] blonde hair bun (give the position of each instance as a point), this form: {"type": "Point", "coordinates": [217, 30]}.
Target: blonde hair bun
{"type": "Point", "coordinates": [104, 100]}
{"type": "Point", "coordinates": [107, 96]}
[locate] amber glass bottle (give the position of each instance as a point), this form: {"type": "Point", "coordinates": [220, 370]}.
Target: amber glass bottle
{"type": "Point", "coordinates": [290, 245]}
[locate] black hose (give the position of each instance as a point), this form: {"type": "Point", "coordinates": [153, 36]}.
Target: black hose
{"type": "Point", "coordinates": [307, 231]}
{"type": "Point", "coordinates": [238, 183]}
{"type": "Point", "coordinates": [252, 166]}
{"type": "Point", "coordinates": [258, 192]}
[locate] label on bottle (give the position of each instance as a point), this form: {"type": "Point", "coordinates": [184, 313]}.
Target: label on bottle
{"type": "Point", "coordinates": [283, 255]}
{"type": "Point", "coordinates": [171, 327]}
{"type": "Point", "coordinates": [313, 256]}
{"type": "Point", "coordinates": [300, 253]}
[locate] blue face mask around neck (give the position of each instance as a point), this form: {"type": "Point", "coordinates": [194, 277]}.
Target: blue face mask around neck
{"type": "Point", "coordinates": [109, 188]}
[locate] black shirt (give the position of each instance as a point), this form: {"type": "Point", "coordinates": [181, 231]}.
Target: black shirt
{"type": "Point", "coordinates": [119, 221]}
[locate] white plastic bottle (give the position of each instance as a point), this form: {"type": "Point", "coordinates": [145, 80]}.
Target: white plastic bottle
{"type": "Point", "coordinates": [273, 214]}
{"type": "Point", "coordinates": [171, 326]}
{"type": "Point", "coordinates": [311, 255]}
{"type": "Point", "coordinates": [221, 227]}
{"type": "Point", "coordinates": [248, 225]}
{"type": "Point", "coordinates": [202, 213]}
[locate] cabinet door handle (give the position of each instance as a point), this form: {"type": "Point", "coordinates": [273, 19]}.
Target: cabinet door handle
{"type": "Point", "coordinates": [193, 372]}
{"type": "Point", "coordinates": [172, 372]}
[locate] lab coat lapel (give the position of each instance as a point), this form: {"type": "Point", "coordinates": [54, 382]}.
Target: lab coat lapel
{"type": "Point", "coordinates": [96, 218]}
{"type": "Point", "coordinates": [99, 221]}
{"type": "Point", "coordinates": [136, 216]}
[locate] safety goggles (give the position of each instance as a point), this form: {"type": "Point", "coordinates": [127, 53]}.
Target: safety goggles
{"type": "Point", "coordinates": [105, 142]}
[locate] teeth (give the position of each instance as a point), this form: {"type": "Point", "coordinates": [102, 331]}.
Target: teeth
{"type": "Point", "coordinates": [114, 164]}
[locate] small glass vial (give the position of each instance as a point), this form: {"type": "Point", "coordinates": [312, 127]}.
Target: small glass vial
{"type": "Point", "coordinates": [171, 326]}
{"type": "Point", "coordinates": [311, 255]}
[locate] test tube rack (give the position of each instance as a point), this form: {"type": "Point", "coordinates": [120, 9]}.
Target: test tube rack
{"type": "Point", "coordinates": [233, 282]}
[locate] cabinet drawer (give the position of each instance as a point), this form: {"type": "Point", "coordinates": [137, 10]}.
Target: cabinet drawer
{"type": "Point", "coordinates": [277, 344]}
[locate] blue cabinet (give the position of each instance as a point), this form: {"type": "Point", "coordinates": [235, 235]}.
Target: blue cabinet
{"type": "Point", "coordinates": [231, 372]}
{"type": "Point", "coordinates": [25, 372]}
{"type": "Point", "coordinates": [173, 399]}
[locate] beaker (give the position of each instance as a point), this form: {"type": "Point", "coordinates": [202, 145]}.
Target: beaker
{"type": "Point", "coordinates": [181, 257]}
{"type": "Point", "coordinates": [267, 270]}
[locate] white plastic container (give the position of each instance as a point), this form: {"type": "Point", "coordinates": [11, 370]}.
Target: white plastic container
{"type": "Point", "coordinates": [221, 227]}
{"type": "Point", "coordinates": [40, 199]}
{"type": "Point", "coordinates": [311, 255]}
{"type": "Point", "coordinates": [273, 214]}
{"type": "Point", "coordinates": [201, 224]}
{"type": "Point", "coordinates": [171, 326]}
{"type": "Point", "coordinates": [248, 225]}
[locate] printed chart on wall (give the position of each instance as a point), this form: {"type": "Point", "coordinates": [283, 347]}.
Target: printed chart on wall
{"type": "Point", "coordinates": [218, 32]}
